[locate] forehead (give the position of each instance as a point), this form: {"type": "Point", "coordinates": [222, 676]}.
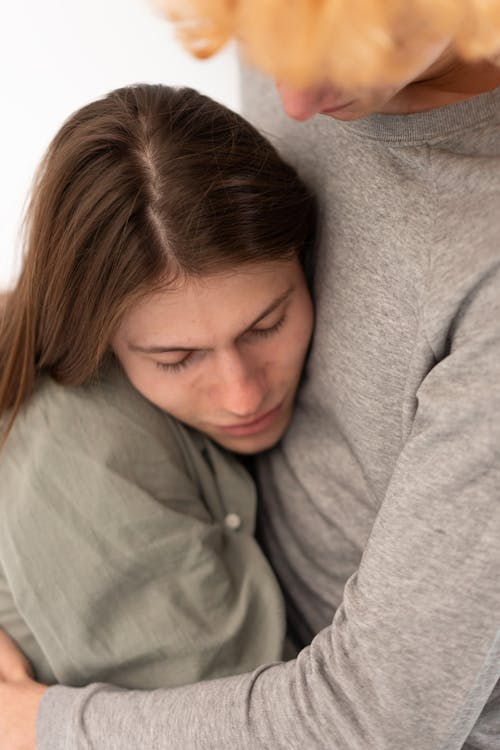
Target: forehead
{"type": "Point", "coordinates": [207, 307]}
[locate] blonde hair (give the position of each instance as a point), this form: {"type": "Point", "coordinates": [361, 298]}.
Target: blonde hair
{"type": "Point", "coordinates": [357, 42]}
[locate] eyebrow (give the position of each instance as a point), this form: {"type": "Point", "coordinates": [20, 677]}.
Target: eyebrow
{"type": "Point", "coordinates": [165, 349]}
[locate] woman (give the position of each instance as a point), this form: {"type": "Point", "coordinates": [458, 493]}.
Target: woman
{"type": "Point", "coordinates": [161, 310]}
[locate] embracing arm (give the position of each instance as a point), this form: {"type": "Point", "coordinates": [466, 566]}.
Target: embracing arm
{"type": "Point", "coordinates": [19, 698]}
{"type": "Point", "coordinates": [412, 655]}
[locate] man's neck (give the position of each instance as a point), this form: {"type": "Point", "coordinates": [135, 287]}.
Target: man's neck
{"type": "Point", "coordinates": [448, 81]}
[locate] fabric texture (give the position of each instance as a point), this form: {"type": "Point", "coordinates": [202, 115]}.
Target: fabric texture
{"type": "Point", "coordinates": [116, 562]}
{"type": "Point", "coordinates": [381, 507]}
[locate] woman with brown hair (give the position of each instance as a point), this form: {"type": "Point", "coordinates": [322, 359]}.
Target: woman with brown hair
{"type": "Point", "coordinates": [380, 507]}
{"type": "Point", "coordinates": [159, 324]}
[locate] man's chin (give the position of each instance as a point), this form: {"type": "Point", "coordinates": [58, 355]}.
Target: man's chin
{"type": "Point", "coordinates": [359, 109]}
{"type": "Point", "coordinates": [347, 116]}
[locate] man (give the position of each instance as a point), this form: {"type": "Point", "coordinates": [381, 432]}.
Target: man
{"type": "Point", "coordinates": [381, 507]}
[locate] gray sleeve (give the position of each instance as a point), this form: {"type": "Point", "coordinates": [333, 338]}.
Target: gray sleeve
{"type": "Point", "coordinates": [413, 653]}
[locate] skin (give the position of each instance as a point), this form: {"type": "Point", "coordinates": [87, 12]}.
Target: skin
{"type": "Point", "coordinates": [439, 78]}
{"type": "Point", "coordinates": [20, 697]}
{"type": "Point", "coordinates": [230, 364]}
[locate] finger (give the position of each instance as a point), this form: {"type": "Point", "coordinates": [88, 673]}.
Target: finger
{"type": "Point", "coordinates": [13, 664]}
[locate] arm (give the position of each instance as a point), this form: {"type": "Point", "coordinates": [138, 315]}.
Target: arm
{"type": "Point", "coordinates": [19, 698]}
{"type": "Point", "coordinates": [412, 654]}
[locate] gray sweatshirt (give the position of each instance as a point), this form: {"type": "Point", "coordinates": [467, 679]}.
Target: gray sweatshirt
{"type": "Point", "coordinates": [381, 507]}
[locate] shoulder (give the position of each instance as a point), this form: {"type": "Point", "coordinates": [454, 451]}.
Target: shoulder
{"type": "Point", "coordinates": [94, 409]}
{"type": "Point", "coordinates": [463, 271]}
{"type": "Point", "coordinates": [64, 431]}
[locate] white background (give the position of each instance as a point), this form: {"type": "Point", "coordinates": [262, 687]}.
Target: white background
{"type": "Point", "coordinates": [55, 56]}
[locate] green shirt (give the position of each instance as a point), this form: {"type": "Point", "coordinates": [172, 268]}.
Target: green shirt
{"type": "Point", "coordinates": [126, 545]}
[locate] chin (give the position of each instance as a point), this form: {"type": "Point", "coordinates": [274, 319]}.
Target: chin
{"type": "Point", "coordinates": [248, 445]}
{"type": "Point", "coordinates": [354, 114]}
{"type": "Point", "coordinates": [347, 116]}
{"type": "Point", "coordinates": [365, 106]}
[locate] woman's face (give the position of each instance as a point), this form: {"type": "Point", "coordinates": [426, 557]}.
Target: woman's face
{"type": "Point", "coordinates": [223, 353]}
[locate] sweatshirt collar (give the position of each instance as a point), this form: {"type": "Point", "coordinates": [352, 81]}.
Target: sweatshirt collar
{"type": "Point", "coordinates": [435, 123]}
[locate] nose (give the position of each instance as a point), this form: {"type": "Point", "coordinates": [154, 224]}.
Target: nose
{"type": "Point", "coordinates": [241, 388]}
{"type": "Point", "coordinates": [300, 104]}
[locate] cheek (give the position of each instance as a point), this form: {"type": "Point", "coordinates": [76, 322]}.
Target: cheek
{"type": "Point", "coordinates": [156, 386]}
{"type": "Point", "coordinates": [291, 353]}
{"type": "Point", "coordinates": [304, 327]}
{"type": "Point", "coordinates": [147, 380]}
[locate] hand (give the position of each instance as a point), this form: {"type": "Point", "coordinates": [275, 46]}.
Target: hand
{"type": "Point", "coordinates": [20, 698]}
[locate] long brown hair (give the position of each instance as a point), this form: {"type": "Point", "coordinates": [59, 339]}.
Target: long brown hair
{"type": "Point", "coordinates": [139, 188]}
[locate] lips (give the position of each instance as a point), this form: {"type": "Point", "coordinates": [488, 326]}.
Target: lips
{"type": "Point", "coordinates": [256, 425]}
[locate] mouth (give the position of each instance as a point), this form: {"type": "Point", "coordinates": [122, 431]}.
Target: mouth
{"type": "Point", "coordinates": [256, 425]}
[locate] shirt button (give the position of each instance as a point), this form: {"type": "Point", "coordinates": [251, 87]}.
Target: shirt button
{"type": "Point", "coordinates": [232, 521]}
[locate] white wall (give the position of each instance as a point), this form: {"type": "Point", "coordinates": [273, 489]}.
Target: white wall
{"type": "Point", "coordinates": [57, 55]}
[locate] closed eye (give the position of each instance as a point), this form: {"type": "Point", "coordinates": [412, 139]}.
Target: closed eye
{"type": "Point", "coordinates": [258, 332]}
{"type": "Point", "coordinates": [174, 366]}
{"type": "Point", "coordinates": [264, 332]}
